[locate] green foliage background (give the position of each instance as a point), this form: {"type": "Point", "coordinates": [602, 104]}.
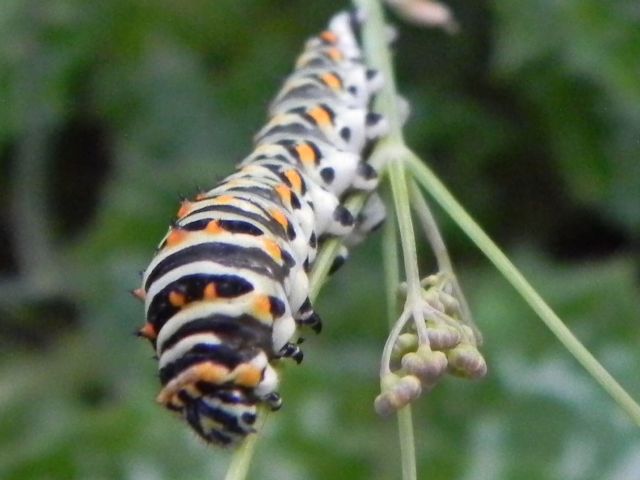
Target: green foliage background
{"type": "Point", "coordinates": [108, 110]}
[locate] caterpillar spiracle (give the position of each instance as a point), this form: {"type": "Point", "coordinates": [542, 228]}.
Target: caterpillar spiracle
{"type": "Point", "coordinates": [228, 287]}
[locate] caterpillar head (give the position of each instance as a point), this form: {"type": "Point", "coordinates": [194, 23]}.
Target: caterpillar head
{"type": "Point", "coordinates": [224, 416]}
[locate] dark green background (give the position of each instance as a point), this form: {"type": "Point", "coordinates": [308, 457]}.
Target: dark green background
{"type": "Point", "coordinates": [109, 110]}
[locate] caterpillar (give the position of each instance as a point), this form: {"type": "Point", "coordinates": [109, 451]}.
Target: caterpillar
{"type": "Point", "coordinates": [228, 287]}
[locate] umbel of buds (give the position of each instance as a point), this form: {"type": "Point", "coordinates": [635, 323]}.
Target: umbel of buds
{"type": "Point", "coordinates": [440, 340]}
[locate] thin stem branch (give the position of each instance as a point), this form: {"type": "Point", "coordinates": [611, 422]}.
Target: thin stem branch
{"type": "Point", "coordinates": [391, 261]}
{"type": "Point", "coordinates": [396, 330]}
{"type": "Point", "coordinates": [431, 230]}
{"type": "Point", "coordinates": [439, 249]}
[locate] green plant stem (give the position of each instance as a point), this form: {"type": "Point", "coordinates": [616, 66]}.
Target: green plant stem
{"type": "Point", "coordinates": [400, 194]}
{"type": "Point", "coordinates": [241, 459]}
{"type": "Point", "coordinates": [392, 147]}
{"type": "Point", "coordinates": [391, 260]}
{"type": "Point", "coordinates": [425, 177]}
{"type": "Point", "coordinates": [407, 444]}
{"type": "Point", "coordinates": [378, 56]}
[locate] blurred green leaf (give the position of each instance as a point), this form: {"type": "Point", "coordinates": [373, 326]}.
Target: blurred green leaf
{"type": "Point", "coordinates": [576, 64]}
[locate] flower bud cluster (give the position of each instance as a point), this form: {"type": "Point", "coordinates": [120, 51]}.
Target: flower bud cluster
{"type": "Point", "coordinates": [438, 342]}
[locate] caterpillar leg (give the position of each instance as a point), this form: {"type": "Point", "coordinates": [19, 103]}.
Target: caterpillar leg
{"type": "Point", "coordinates": [266, 389]}
{"type": "Point", "coordinates": [376, 126]}
{"type": "Point", "coordinates": [370, 218]}
{"type": "Point", "coordinates": [366, 178]}
{"type": "Point", "coordinates": [274, 400]}
{"type": "Point", "coordinates": [307, 317]}
{"type": "Point", "coordinates": [375, 80]}
{"type": "Point", "coordinates": [343, 221]}
{"type": "Point", "coordinates": [291, 350]}
{"type": "Point", "coordinates": [340, 260]}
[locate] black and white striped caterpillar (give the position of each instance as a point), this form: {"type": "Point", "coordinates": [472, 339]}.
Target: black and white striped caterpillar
{"type": "Point", "coordinates": [228, 286]}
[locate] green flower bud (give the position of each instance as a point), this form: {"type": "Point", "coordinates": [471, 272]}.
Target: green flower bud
{"type": "Point", "coordinates": [389, 381]}
{"type": "Point", "coordinates": [443, 337]}
{"type": "Point", "coordinates": [407, 389]}
{"type": "Point", "coordinates": [465, 360]}
{"type": "Point", "coordinates": [382, 405]}
{"type": "Point", "coordinates": [402, 393]}
{"type": "Point", "coordinates": [451, 305]}
{"type": "Point", "coordinates": [426, 365]}
{"type": "Point", "coordinates": [406, 342]}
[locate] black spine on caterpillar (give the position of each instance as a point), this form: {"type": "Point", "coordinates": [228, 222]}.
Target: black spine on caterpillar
{"type": "Point", "coordinates": [228, 287]}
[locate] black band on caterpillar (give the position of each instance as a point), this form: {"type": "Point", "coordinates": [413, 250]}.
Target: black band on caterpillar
{"type": "Point", "coordinates": [228, 287]}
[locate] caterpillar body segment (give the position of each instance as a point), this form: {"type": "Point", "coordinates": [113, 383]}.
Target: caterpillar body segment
{"type": "Point", "coordinates": [343, 32]}
{"type": "Point", "coordinates": [349, 88]}
{"type": "Point", "coordinates": [335, 170]}
{"type": "Point", "coordinates": [345, 127]}
{"type": "Point", "coordinates": [228, 289]}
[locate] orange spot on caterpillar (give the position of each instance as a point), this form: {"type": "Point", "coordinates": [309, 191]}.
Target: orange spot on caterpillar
{"type": "Point", "coordinates": [210, 292]}
{"type": "Point", "coordinates": [214, 227]}
{"type": "Point", "coordinates": [272, 248]}
{"type": "Point", "coordinates": [206, 372]}
{"type": "Point", "coordinates": [328, 36]}
{"type": "Point", "coordinates": [284, 193]}
{"type": "Point", "coordinates": [224, 199]}
{"type": "Point", "coordinates": [279, 217]}
{"type": "Point", "coordinates": [148, 331]}
{"type": "Point", "coordinates": [320, 115]}
{"type": "Point", "coordinates": [192, 390]}
{"type": "Point", "coordinates": [335, 54]}
{"type": "Point", "coordinates": [332, 81]}
{"type": "Point", "coordinates": [176, 236]}
{"type": "Point", "coordinates": [211, 372]}
{"type": "Point", "coordinates": [262, 306]}
{"type": "Point", "coordinates": [246, 375]}
{"type": "Point", "coordinates": [185, 208]}
{"type": "Point", "coordinates": [177, 299]}
{"type": "Point", "coordinates": [306, 154]}
{"type": "Point", "coordinates": [294, 180]}
{"type": "Point", "coordinates": [175, 403]}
